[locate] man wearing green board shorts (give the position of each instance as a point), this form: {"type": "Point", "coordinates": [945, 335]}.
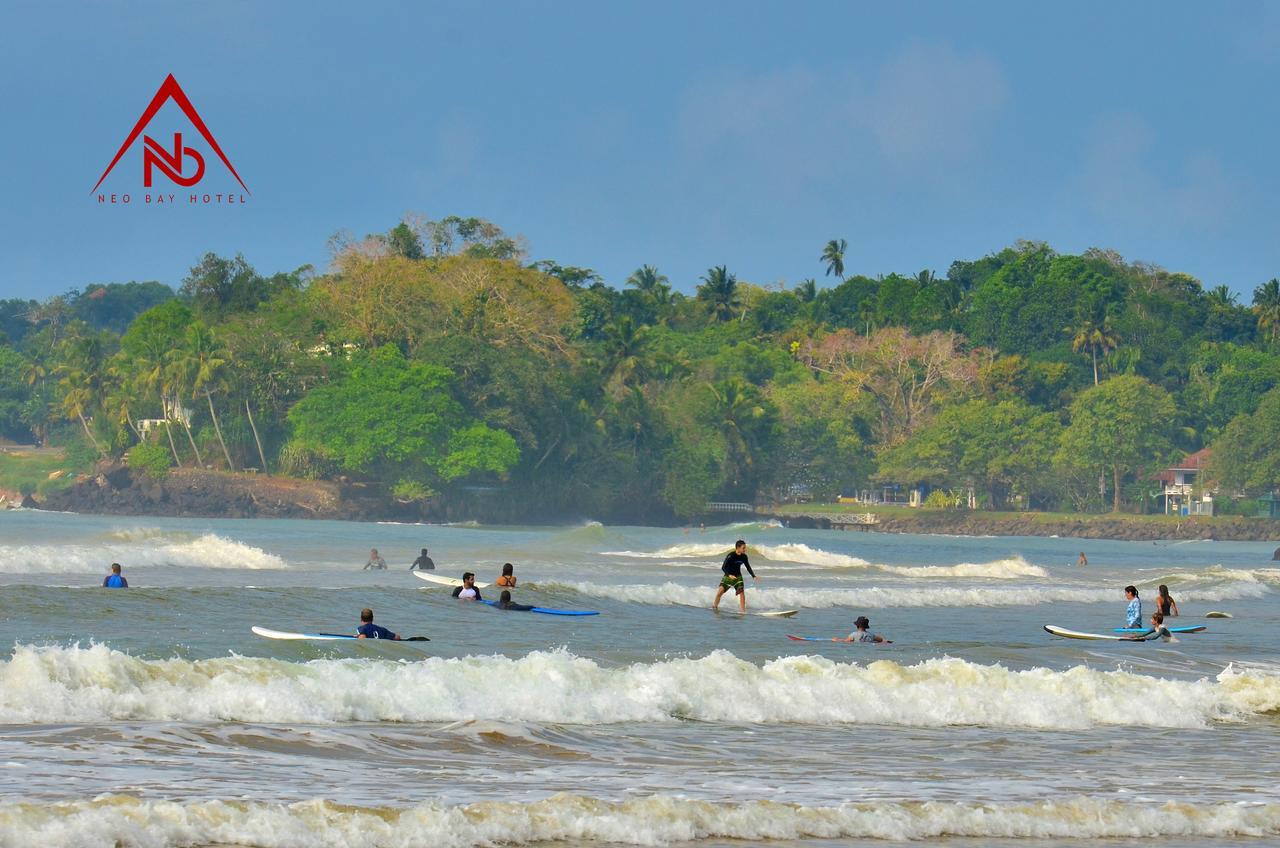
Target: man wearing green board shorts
{"type": "Point", "coordinates": [732, 568]}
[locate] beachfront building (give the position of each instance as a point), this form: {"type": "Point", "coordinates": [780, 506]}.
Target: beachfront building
{"type": "Point", "coordinates": [1183, 490]}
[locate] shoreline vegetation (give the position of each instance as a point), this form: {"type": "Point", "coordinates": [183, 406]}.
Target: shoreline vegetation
{"type": "Point", "coordinates": [114, 489]}
{"type": "Point", "coordinates": [438, 371]}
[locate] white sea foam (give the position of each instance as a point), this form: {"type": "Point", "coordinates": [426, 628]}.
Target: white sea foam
{"type": "Point", "coordinates": [134, 548]}
{"type": "Point", "coordinates": [883, 597]}
{"type": "Point", "coordinates": [794, 552]}
{"type": "Point", "coordinates": [562, 818]}
{"type": "Point", "coordinates": [44, 685]}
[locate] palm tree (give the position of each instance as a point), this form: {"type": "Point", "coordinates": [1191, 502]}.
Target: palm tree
{"type": "Point", "coordinates": [833, 256]}
{"type": "Point", "coordinates": [649, 282]}
{"type": "Point", "coordinates": [1096, 337]}
{"type": "Point", "coordinates": [204, 360]}
{"type": "Point", "coordinates": [81, 380]}
{"type": "Point", "coordinates": [1221, 297]}
{"type": "Point", "coordinates": [807, 290]}
{"type": "Point", "coordinates": [177, 378]}
{"type": "Point", "coordinates": [1266, 305]}
{"type": "Point", "coordinates": [736, 407]}
{"type": "Point", "coordinates": [719, 290]}
{"type": "Point", "coordinates": [625, 347]}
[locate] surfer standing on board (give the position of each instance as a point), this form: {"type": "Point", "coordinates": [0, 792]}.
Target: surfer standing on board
{"type": "Point", "coordinates": [732, 568]}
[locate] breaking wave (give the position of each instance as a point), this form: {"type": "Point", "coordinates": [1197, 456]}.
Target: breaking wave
{"type": "Point", "coordinates": [51, 685]}
{"type": "Point", "coordinates": [578, 819]}
{"type": "Point", "coordinates": [884, 597]}
{"type": "Point", "coordinates": [136, 548]}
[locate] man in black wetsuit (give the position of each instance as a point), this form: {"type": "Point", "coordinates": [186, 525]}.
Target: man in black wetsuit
{"type": "Point", "coordinates": [505, 602]}
{"type": "Point", "coordinates": [732, 579]}
{"type": "Point", "coordinates": [423, 562]}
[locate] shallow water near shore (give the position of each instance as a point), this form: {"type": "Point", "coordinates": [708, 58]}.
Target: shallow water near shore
{"type": "Point", "coordinates": [155, 717]}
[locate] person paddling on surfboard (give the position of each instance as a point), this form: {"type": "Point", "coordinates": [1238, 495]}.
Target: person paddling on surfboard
{"type": "Point", "coordinates": [467, 591]}
{"type": "Point", "coordinates": [1133, 612]}
{"type": "Point", "coordinates": [862, 633]}
{"type": "Point", "coordinates": [505, 602]}
{"type": "Point", "coordinates": [369, 630]}
{"type": "Point", "coordinates": [732, 568]}
{"type": "Point", "coordinates": [423, 562]}
{"type": "Point", "coordinates": [1157, 631]}
{"type": "Point", "coordinates": [115, 580]}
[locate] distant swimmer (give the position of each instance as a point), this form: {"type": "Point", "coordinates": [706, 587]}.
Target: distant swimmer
{"type": "Point", "coordinates": [375, 562]}
{"type": "Point", "coordinates": [862, 633]}
{"type": "Point", "coordinates": [1082, 559]}
{"type": "Point", "coordinates": [1133, 612]}
{"type": "Point", "coordinates": [423, 562]}
{"type": "Point", "coordinates": [1166, 605]}
{"type": "Point", "coordinates": [1276, 556]}
{"type": "Point", "coordinates": [732, 568]}
{"type": "Point", "coordinates": [369, 630]}
{"type": "Point", "coordinates": [115, 580]}
{"type": "Point", "coordinates": [508, 578]}
{"type": "Point", "coordinates": [505, 602]}
{"type": "Point", "coordinates": [467, 591]}
{"type": "Point", "coordinates": [1157, 631]}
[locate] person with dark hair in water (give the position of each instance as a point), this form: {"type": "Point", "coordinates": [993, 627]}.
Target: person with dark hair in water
{"type": "Point", "coordinates": [1165, 605]}
{"type": "Point", "coordinates": [115, 580]}
{"type": "Point", "coordinates": [1133, 612]}
{"type": "Point", "coordinates": [505, 602]}
{"type": "Point", "coordinates": [467, 591]}
{"type": "Point", "coordinates": [369, 630]}
{"type": "Point", "coordinates": [508, 578]}
{"type": "Point", "coordinates": [423, 562]}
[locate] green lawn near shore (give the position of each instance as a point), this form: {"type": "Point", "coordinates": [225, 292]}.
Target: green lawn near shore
{"type": "Point", "coordinates": [37, 471]}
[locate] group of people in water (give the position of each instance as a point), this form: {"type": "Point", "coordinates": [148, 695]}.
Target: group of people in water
{"type": "Point", "coordinates": [1166, 607]}
{"type": "Point", "coordinates": [731, 579]}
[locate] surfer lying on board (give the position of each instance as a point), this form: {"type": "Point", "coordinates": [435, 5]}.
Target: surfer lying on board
{"type": "Point", "coordinates": [505, 602]}
{"type": "Point", "coordinates": [369, 630]}
{"type": "Point", "coordinates": [732, 579]}
{"type": "Point", "coordinates": [862, 633]}
{"type": "Point", "coordinates": [1133, 612]}
{"type": "Point", "coordinates": [508, 578]}
{"type": "Point", "coordinates": [467, 591]}
{"type": "Point", "coordinates": [1157, 631]}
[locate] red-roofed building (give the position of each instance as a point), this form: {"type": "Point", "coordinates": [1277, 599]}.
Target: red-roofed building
{"type": "Point", "coordinates": [1183, 490]}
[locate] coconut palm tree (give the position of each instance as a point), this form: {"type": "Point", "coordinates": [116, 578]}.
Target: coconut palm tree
{"type": "Point", "coordinates": [1221, 297]}
{"type": "Point", "coordinates": [1266, 305]}
{"type": "Point", "coordinates": [736, 407]}
{"type": "Point", "coordinates": [204, 360]}
{"type": "Point", "coordinates": [1089, 333]}
{"type": "Point", "coordinates": [807, 290]}
{"type": "Point", "coordinates": [833, 256]}
{"type": "Point", "coordinates": [719, 290]}
{"type": "Point", "coordinates": [648, 281]}
{"type": "Point", "coordinates": [626, 348]}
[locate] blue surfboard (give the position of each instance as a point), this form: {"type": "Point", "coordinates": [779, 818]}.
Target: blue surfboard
{"type": "Point", "coordinates": [547, 610]}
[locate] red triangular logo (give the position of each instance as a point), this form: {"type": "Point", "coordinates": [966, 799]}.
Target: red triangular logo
{"type": "Point", "coordinates": [170, 89]}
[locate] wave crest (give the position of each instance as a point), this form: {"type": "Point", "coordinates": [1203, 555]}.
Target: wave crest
{"type": "Point", "coordinates": [653, 821]}
{"type": "Point", "coordinates": [54, 684]}
{"type": "Point", "coordinates": [137, 548]}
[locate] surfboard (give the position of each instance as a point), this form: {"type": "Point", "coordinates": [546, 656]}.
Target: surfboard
{"type": "Point", "coordinates": [1195, 628]}
{"type": "Point", "coordinates": [444, 581]}
{"type": "Point", "coordinates": [268, 633]}
{"type": "Point", "coordinates": [1075, 634]}
{"type": "Point", "coordinates": [281, 634]}
{"type": "Point", "coordinates": [1218, 614]}
{"type": "Point", "coordinates": [547, 610]}
{"type": "Point", "coordinates": [829, 639]}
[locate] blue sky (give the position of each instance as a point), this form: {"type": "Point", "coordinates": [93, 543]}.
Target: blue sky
{"type": "Point", "coordinates": [682, 135]}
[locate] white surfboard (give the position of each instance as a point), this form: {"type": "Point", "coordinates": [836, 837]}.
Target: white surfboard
{"type": "Point", "coordinates": [1075, 634]}
{"type": "Point", "coordinates": [444, 581]}
{"type": "Point", "coordinates": [268, 633]}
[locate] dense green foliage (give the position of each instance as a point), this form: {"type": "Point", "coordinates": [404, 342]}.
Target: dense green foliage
{"type": "Point", "coordinates": [436, 360]}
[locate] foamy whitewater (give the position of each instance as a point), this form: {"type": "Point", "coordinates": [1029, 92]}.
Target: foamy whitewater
{"type": "Point", "coordinates": [154, 717]}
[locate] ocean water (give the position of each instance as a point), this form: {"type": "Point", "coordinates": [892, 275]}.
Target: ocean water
{"type": "Point", "coordinates": [154, 717]}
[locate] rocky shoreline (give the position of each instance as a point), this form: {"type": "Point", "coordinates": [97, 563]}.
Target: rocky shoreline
{"type": "Point", "coordinates": [191, 492]}
{"type": "Point", "coordinates": [1122, 528]}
